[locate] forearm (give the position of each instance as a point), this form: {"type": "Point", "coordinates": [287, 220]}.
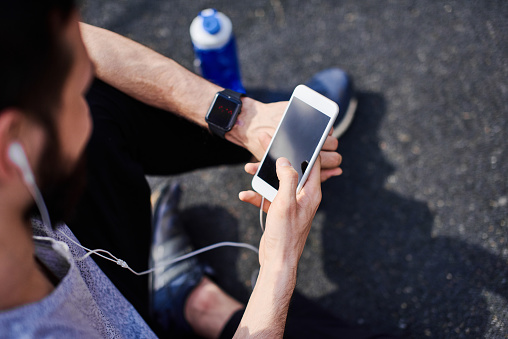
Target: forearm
{"type": "Point", "coordinates": [266, 312]}
{"type": "Point", "coordinates": [147, 75]}
{"type": "Point", "coordinates": [161, 82]}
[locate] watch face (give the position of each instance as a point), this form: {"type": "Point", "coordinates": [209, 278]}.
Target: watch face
{"type": "Point", "coordinates": [222, 112]}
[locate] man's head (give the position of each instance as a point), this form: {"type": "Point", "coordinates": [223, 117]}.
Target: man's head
{"type": "Point", "coordinates": [45, 72]}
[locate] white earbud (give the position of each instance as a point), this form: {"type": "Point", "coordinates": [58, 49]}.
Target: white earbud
{"type": "Point", "coordinates": [18, 157]}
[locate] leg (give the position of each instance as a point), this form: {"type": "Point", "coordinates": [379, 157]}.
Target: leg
{"type": "Point", "coordinates": [208, 309]}
{"type": "Point", "coordinates": [183, 301]}
{"type": "Point", "coordinates": [127, 143]}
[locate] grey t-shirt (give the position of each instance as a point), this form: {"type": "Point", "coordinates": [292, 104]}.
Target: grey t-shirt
{"type": "Point", "coordinates": [84, 304]}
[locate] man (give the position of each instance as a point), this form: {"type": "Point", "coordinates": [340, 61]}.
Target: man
{"type": "Point", "coordinates": [159, 144]}
{"type": "Point", "coordinates": [46, 72]}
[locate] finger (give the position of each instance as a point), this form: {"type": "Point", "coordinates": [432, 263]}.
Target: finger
{"type": "Point", "coordinates": [330, 160]}
{"type": "Point", "coordinates": [313, 185]}
{"type": "Point", "coordinates": [328, 173]}
{"type": "Point", "coordinates": [254, 198]}
{"type": "Point", "coordinates": [251, 168]}
{"type": "Point", "coordinates": [331, 144]}
{"type": "Point", "coordinates": [288, 178]}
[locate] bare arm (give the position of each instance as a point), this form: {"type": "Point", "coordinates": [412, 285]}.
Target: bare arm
{"type": "Point", "coordinates": [288, 224]}
{"type": "Point", "coordinates": [266, 312]}
{"type": "Point", "coordinates": [147, 75]}
{"type": "Point", "coordinates": [161, 82]}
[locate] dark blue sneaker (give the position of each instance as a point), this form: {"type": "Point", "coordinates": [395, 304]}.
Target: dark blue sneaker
{"type": "Point", "coordinates": [337, 85]}
{"type": "Point", "coordinates": [169, 286]}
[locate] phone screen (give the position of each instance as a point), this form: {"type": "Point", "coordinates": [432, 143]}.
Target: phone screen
{"type": "Point", "coordinates": [298, 136]}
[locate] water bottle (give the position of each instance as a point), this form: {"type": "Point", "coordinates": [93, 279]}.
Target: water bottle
{"type": "Point", "coordinates": [215, 49]}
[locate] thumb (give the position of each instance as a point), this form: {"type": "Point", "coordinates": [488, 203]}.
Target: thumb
{"type": "Point", "coordinates": [288, 178]}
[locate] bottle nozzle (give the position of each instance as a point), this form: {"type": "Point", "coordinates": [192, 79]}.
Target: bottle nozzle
{"type": "Point", "coordinates": [211, 23]}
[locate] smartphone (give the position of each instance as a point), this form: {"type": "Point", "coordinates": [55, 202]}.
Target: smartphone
{"type": "Point", "coordinates": [299, 137]}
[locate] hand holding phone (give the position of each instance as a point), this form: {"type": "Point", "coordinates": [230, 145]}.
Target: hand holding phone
{"type": "Point", "coordinates": [299, 137]}
{"type": "Point", "coordinates": [289, 218]}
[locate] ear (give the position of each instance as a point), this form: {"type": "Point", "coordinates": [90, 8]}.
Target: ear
{"type": "Point", "coordinates": [11, 120]}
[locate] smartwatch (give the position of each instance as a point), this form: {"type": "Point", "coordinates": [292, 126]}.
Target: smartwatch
{"type": "Point", "coordinates": [223, 112]}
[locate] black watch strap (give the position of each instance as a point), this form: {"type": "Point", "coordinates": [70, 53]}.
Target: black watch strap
{"type": "Point", "coordinates": [232, 93]}
{"type": "Point", "coordinates": [217, 131]}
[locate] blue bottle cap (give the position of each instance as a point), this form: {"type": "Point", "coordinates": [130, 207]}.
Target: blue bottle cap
{"type": "Point", "coordinates": [211, 23]}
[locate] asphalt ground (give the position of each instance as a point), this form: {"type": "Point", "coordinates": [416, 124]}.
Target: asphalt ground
{"type": "Point", "coordinates": [413, 237]}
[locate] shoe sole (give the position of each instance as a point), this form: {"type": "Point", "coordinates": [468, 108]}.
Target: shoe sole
{"type": "Point", "coordinates": [348, 118]}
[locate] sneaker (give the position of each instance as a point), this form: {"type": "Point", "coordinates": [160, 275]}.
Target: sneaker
{"type": "Point", "coordinates": [337, 85]}
{"type": "Point", "coordinates": [169, 286]}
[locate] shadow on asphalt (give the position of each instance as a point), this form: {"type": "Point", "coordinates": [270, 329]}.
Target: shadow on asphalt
{"type": "Point", "coordinates": [379, 250]}
{"type": "Point", "coordinates": [378, 247]}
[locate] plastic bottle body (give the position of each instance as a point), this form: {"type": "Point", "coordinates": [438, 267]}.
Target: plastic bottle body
{"type": "Point", "coordinates": [215, 49]}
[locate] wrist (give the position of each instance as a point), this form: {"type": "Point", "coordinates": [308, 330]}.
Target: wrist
{"type": "Point", "coordinates": [223, 113]}
{"type": "Point", "coordinates": [239, 134]}
{"type": "Point", "coordinates": [266, 311]}
{"type": "Point", "coordinates": [281, 278]}
{"type": "Point", "coordinates": [283, 269]}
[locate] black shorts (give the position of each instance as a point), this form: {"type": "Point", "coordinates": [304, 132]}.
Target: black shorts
{"type": "Point", "coordinates": [131, 140]}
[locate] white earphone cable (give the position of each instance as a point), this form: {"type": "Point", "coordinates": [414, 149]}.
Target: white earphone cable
{"type": "Point", "coordinates": [17, 154]}
{"type": "Point", "coordinates": [124, 264]}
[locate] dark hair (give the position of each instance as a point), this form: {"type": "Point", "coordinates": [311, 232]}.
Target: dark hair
{"type": "Point", "coordinates": [34, 64]}
{"type": "Point", "coordinates": [35, 58]}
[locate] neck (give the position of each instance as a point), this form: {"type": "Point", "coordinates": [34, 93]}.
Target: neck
{"type": "Point", "coordinates": [21, 279]}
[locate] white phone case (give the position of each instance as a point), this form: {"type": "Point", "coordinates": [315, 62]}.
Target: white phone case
{"type": "Point", "coordinates": [306, 123]}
